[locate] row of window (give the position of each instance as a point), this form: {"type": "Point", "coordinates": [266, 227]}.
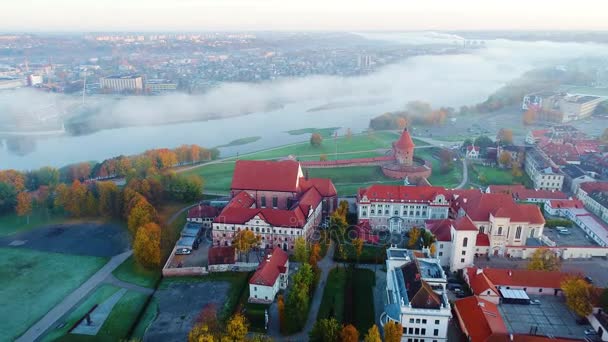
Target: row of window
{"type": "Point", "coordinates": [423, 321]}
{"type": "Point", "coordinates": [420, 331]}
{"type": "Point", "coordinates": [264, 230]}
{"type": "Point", "coordinates": [396, 212]}
{"type": "Point", "coordinates": [275, 201]}
{"type": "Point", "coordinates": [417, 340]}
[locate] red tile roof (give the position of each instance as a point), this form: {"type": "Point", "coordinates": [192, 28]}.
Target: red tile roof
{"type": "Point", "coordinates": [479, 208]}
{"type": "Point", "coordinates": [590, 187]}
{"type": "Point", "coordinates": [241, 200]}
{"type": "Point", "coordinates": [479, 318]}
{"type": "Point", "coordinates": [323, 185]}
{"type": "Point", "coordinates": [529, 338]}
{"type": "Point", "coordinates": [564, 204]}
{"type": "Point", "coordinates": [201, 211]}
{"type": "Point", "coordinates": [520, 277]}
{"type": "Point", "coordinates": [405, 140]}
{"type": "Point", "coordinates": [464, 223]}
{"type": "Point", "coordinates": [482, 240]}
{"type": "Point", "coordinates": [479, 282]}
{"type": "Point", "coordinates": [365, 232]}
{"type": "Point", "coordinates": [379, 192]}
{"type": "Point", "coordinates": [266, 175]}
{"type": "Point", "coordinates": [270, 268]}
{"type": "Point", "coordinates": [520, 192]}
{"type": "Point", "coordinates": [440, 228]}
{"type": "Point", "coordinates": [221, 255]}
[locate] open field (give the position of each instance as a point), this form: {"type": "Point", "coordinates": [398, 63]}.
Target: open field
{"type": "Point", "coordinates": [132, 272]}
{"type": "Point", "coordinates": [12, 224]}
{"type": "Point", "coordinates": [485, 175]}
{"type": "Point", "coordinates": [32, 282]}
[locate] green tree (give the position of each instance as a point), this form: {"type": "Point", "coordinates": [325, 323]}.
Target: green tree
{"type": "Point", "coordinates": [358, 245]}
{"type": "Point", "coordinates": [8, 197]}
{"type": "Point", "coordinates": [338, 223]}
{"type": "Point", "coordinates": [301, 250]}
{"type": "Point", "coordinates": [325, 330]}
{"type": "Point", "coordinates": [544, 259]}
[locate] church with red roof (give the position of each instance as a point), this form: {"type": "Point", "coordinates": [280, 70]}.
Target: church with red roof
{"type": "Point", "coordinates": [274, 200]}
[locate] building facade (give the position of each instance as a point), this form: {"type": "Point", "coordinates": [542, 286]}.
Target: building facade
{"type": "Point", "coordinates": [544, 174]}
{"type": "Point", "coordinates": [122, 83]}
{"type": "Point", "coordinates": [271, 276]}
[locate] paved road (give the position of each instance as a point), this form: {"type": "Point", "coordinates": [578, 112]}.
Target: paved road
{"type": "Point", "coordinates": [112, 280]}
{"type": "Point", "coordinates": [46, 322]}
{"type": "Point", "coordinates": [465, 174]}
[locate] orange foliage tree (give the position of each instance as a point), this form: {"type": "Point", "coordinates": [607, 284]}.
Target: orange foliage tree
{"type": "Point", "coordinates": [141, 213]}
{"type": "Point", "coordinates": [14, 178]}
{"type": "Point", "coordinates": [349, 334]}
{"type": "Point", "coordinates": [146, 245]}
{"type": "Point", "coordinates": [24, 205]}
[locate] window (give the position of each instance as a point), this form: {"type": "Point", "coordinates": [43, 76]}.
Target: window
{"type": "Point", "coordinates": [424, 321]}
{"type": "Point", "coordinates": [255, 288]}
{"type": "Point", "coordinates": [440, 253]}
{"type": "Point", "coordinates": [464, 252]}
{"type": "Point", "coordinates": [410, 331]}
{"type": "Point", "coordinates": [411, 320]}
{"type": "Point", "coordinates": [440, 246]}
{"type": "Point", "coordinates": [275, 201]}
{"type": "Point", "coordinates": [372, 211]}
{"type": "Point", "coordinates": [423, 331]}
{"type": "Point", "coordinates": [462, 260]}
{"type": "Point", "coordinates": [263, 202]}
{"type": "Point", "coordinates": [436, 332]}
{"type": "Point", "coordinates": [417, 331]}
{"type": "Point", "coordinates": [465, 242]}
{"type": "Point", "coordinates": [437, 322]}
{"type": "Point", "coordinates": [481, 230]}
{"type": "Point", "coordinates": [364, 213]}
{"type": "Point", "coordinates": [499, 230]}
{"type": "Point", "coordinates": [396, 212]}
{"type": "Point", "coordinates": [518, 233]}
{"type": "Point", "coordinates": [418, 320]}
{"type": "Point", "coordinates": [540, 290]}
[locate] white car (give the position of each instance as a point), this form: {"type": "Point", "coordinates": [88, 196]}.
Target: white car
{"type": "Point", "coordinates": [534, 302]}
{"type": "Point", "coordinates": [183, 251]}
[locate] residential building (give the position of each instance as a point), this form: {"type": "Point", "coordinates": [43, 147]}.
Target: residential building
{"type": "Point", "coordinates": [270, 277]}
{"type": "Point", "coordinates": [479, 319]}
{"type": "Point", "coordinates": [416, 296]}
{"type": "Point", "coordinates": [204, 214]}
{"type": "Point", "coordinates": [574, 176]}
{"type": "Point", "coordinates": [544, 174]}
{"type": "Point", "coordinates": [473, 152]}
{"type": "Point", "coordinates": [275, 201]}
{"type": "Point", "coordinates": [596, 163]}
{"type": "Point", "coordinates": [517, 154]}
{"type": "Point", "coordinates": [456, 241]}
{"type": "Point", "coordinates": [575, 211]}
{"type": "Point", "coordinates": [157, 86]}
{"type": "Point", "coordinates": [522, 194]}
{"type": "Point", "coordinates": [594, 196]}
{"type": "Point", "coordinates": [560, 107]}
{"type": "Point", "coordinates": [398, 208]}
{"type": "Point", "coordinates": [122, 83]}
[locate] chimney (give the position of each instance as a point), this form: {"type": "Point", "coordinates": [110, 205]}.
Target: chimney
{"type": "Point", "coordinates": [479, 271]}
{"type": "Point", "coordinates": [510, 273]}
{"type": "Point", "coordinates": [481, 304]}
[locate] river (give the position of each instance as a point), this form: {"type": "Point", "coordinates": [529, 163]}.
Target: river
{"type": "Point", "coordinates": [445, 80]}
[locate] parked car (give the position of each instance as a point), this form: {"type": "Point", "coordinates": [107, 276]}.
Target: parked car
{"type": "Point", "coordinates": [589, 280]}
{"type": "Point", "coordinates": [183, 251]}
{"type": "Point", "coordinates": [590, 332]}
{"type": "Point", "coordinates": [564, 231]}
{"type": "Point", "coordinates": [534, 302]}
{"type": "Point", "coordinates": [454, 286]}
{"type": "Point", "coordinates": [460, 294]}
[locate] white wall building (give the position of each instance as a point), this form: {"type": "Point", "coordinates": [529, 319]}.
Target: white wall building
{"type": "Point", "coordinates": [270, 277]}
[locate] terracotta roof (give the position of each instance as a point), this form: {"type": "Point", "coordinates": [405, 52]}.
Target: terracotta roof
{"type": "Point", "coordinates": [221, 255]}
{"type": "Point", "coordinates": [270, 268]}
{"type": "Point", "coordinates": [266, 175]}
{"type": "Point", "coordinates": [440, 228]}
{"type": "Point", "coordinates": [464, 223]}
{"type": "Point", "coordinates": [201, 211]}
{"type": "Point", "coordinates": [405, 140]}
{"type": "Point", "coordinates": [590, 187]}
{"type": "Point", "coordinates": [479, 283]}
{"type": "Point", "coordinates": [241, 200]}
{"type": "Point", "coordinates": [564, 204]}
{"type": "Point", "coordinates": [520, 277]}
{"type": "Point", "coordinates": [472, 147]}
{"type": "Point", "coordinates": [520, 192]}
{"type": "Point", "coordinates": [323, 185]}
{"type": "Point", "coordinates": [479, 318]}
{"type": "Point", "coordinates": [528, 338]}
{"type": "Point", "coordinates": [365, 232]}
{"type": "Point", "coordinates": [479, 208]}
{"type": "Point", "coordinates": [482, 240]}
{"type": "Point", "coordinates": [379, 192]}
{"type": "Point", "coordinates": [310, 199]}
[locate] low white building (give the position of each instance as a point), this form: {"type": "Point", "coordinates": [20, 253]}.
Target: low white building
{"type": "Point", "coordinates": [270, 277]}
{"type": "Point", "coordinates": [542, 171]}
{"type": "Point", "coordinates": [416, 296]}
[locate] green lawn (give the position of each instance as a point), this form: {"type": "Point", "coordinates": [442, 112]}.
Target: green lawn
{"type": "Point", "coordinates": [146, 319]}
{"type": "Point", "coordinates": [325, 132]}
{"type": "Point", "coordinates": [132, 272]}
{"type": "Point", "coordinates": [334, 297]}
{"type": "Point", "coordinates": [32, 282]}
{"type": "Point", "coordinates": [118, 324]}
{"type": "Point", "coordinates": [494, 176]}
{"type": "Point", "coordinates": [349, 179]}
{"type": "Point", "coordinates": [11, 223]}
{"type": "Point", "coordinates": [96, 297]}
{"type": "Point", "coordinates": [238, 283]}
{"type": "Point", "coordinates": [332, 303]}
{"type": "Point", "coordinates": [241, 141]}
{"type": "Point", "coordinates": [369, 254]}
{"type": "Point", "coordinates": [450, 179]}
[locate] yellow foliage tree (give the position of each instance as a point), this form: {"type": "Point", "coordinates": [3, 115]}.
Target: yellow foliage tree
{"type": "Point", "coordinates": [358, 244]}
{"type": "Point", "coordinates": [146, 245]}
{"type": "Point", "coordinates": [300, 249]}
{"type": "Point", "coordinates": [373, 335]}
{"type": "Point", "coordinates": [245, 240]}
{"type": "Point", "coordinates": [393, 332]}
{"type": "Point", "coordinates": [237, 328]}
{"type": "Point", "coordinates": [141, 212]}
{"type": "Point", "coordinates": [24, 205]}
{"type": "Point", "coordinates": [349, 334]}
{"type": "Point", "coordinates": [578, 294]}
{"type": "Point", "coordinates": [433, 249]}
{"type": "Point", "coordinates": [414, 237]}
{"type": "Point", "coordinates": [200, 333]}
{"type": "Point", "coordinates": [544, 259]}
{"type": "Point", "coordinates": [504, 158]}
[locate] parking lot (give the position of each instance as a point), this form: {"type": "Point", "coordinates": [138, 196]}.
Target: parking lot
{"type": "Point", "coordinates": [551, 318]}
{"type": "Point", "coordinates": [577, 237]}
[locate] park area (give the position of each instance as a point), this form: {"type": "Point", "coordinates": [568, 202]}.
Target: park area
{"type": "Point", "coordinates": [485, 175]}
{"type": "Point", "coordinates": [348, 297]}
{"type": "Point", "coordinates": [218, 175]}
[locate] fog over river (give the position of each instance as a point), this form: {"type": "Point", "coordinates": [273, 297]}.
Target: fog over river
{"type": "Point", "coordinates": [445, 80]}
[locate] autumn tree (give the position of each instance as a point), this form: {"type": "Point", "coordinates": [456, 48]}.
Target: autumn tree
{"type": "Point", "coordinates": [200, 332]}
{"type": "Point", "coordinates": [141, 213]}
{"type": "Point", "coordinates": [414, 235]}
{"type": "Point", "coordinates": [516, 171]}
{"type": "Point", "coordinates": [110, 199]}
{"type": "Point", "coordinates": [433, 249]}
{"type": "Point", "coordinates": [505, 136]}
{"type": "Point", "coordinates": [8, 197]}
{"type": "Point", "coordinates": [300, 249]}
{"type": "Point", "coordinates": [543, 259]}
{"type": "Point", "coordinates": [373, 335]}
{"type": "Point", "coordinates": [72, 199]}
{"type": "Point", "coordinates": [342, 209]}
{"type": "Point", "coordinates": [24, 205]}
{"type": "Point", "coordinates": [578, 294]}
{"type": "Point", "coordinates": [315, 255]}
{"type": "Point", "coordinates": [325, 330]}
{"type": "Point", "coordinates": [316, 140]}
{"type": "Point", "coordinates": [208, 316]}
{"type": "Point", "coordinates": [14, 178]}
{"type": "Point", "coordinates": [237, 328]}
{"type": "Point", "coordinates": [358, 245]}
{"type": "Point", "coordinates": [393, 331]}
{"type": "Point", "coordinates": [504, 158]}
{"type": "Point", "coordinates": [281, 309]}
{"type": "Point", "coordinates": [246, 240]}
{"type": "Point", "coordinates": [349, 334]}
{"type": "Point", "coordinates": [323, 157]}
{"type": "Point", "coordinates": [529, 117]}
{"type": "Point", "coordinates": [146, 245]}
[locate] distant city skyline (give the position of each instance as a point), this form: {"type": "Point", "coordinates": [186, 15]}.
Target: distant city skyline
{"type": "Point", "coordinates": [338, 15]}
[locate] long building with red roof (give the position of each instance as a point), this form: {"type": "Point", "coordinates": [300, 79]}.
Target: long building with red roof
{"type": "Point", "coordinates": [270, 277]}
{"type": "Point", "coordinates": [275, 201]}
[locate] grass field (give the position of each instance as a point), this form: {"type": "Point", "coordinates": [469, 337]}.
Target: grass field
{"type": "Point", "coordinates": [32, 282]}
{"type": "Point", "coordinates": [334, 297]}
{"type": "Point", "coordinates": [146, 319]}
{"type": "Point", "coordinates": [241, 141]}
{"type": "Point", "coordinates": [494, 175]}
{"type": "Point", "coordinates": [448, 180]}
{"type": "Point", "coordinates": [11, 223]}
{"type": "Point", "coordinates": [325, 132]}
{"type": "Point", "coordinates": [132, 272]}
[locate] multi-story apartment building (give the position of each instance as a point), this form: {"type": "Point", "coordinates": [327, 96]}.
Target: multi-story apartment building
{"type": "Point", "coordinates": [275, 201]}
{"type": "Point", "coordinates": [122, 83]}
{"type": "Point", "coordinates": [542, 171]}
{"type": "Point", "coordinates": [594, 196]}
{"type": "Point", "coordinates": [416, 296]}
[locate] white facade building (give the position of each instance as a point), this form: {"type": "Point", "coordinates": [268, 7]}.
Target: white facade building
{"type": "Point", "coordinates": [270, 277]}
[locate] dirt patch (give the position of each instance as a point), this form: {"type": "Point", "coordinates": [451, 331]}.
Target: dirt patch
{"type": "Point", "coordinates": [180, 304]}
{"type": "Point", "coordinates": [94, 239]}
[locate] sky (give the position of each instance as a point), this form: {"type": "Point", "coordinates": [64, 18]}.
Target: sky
{"type": "Point", "coordinates": [338, 15]}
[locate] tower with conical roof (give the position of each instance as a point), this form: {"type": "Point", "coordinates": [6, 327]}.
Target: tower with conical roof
{"type": "Point", "coordinates": [403, 149]}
